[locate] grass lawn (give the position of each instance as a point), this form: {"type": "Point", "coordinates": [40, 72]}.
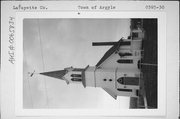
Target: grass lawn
{"type": "Point", "coordinates": [150, 56]}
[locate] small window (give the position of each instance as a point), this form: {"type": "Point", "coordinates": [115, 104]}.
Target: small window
{"type": "Point", "coordinates": [139, 64]}
{"type": "Point", "coordinates": [134, 35]}
{"type": "Point", "coordinates": [129, 37]}
{"type": "Point", "coordinates": [137, 92]}
{"type": "Point", "coordinates": [125, 61]}
{"type": "Point", "coordinates": [125, 43]}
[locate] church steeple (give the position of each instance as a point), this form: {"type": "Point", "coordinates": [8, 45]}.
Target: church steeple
{"type": "Point", "coordinates": [55, 74]}
{"type": "Point", "coordinates": [70, 74]}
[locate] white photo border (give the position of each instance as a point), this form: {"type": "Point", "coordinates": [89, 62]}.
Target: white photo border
{"type": "Point", "coordinates": [160, 111]}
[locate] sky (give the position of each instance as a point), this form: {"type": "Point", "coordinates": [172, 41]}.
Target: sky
{"type": "Point", "coordinates": [65, 43]}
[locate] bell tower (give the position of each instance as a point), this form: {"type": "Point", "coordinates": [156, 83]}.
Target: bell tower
{"type": "Point", "coordinates": [73, 75]}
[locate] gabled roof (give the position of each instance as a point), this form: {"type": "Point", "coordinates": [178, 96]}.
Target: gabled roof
{"type": "Point", "coordinates": [112, 50]}
{"type": "Point", "coordinates": [55, 74]}
{"type": "Point", "coordinates": [107, 54]}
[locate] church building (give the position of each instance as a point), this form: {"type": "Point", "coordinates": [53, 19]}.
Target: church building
{"type": "Point", "coordinates": [118, 71]}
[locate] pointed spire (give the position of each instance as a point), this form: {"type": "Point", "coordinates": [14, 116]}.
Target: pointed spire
{"type": "Point", "coordinates": [55, 74]}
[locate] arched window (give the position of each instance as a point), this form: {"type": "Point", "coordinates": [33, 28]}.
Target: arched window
{"type": "Point", "coordinates": [76, 79]}
{"type": "Point", "coordinates": [121, 80]}
{"type": "Point", "coordinates": [125, 54]}
{"type": "Point", "coordinates": [75, 75]}
{"type": "Point", "coordinates": [128, 80]}
{"type": "Point", "coordinates": [126, 61]}
{"type": "Point", "coordinates": [124, 90]}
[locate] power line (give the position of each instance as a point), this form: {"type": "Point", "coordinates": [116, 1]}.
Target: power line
{"type": "Point", "coordinates": [45, 85]}
{"type": "Point", "coordinates": [30, 93]}
{"type": "Point", "coordinates": [29, 86]}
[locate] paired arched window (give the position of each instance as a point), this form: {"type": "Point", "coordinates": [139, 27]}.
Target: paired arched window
{"type": "Point", "coordinates": [76, 77]}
